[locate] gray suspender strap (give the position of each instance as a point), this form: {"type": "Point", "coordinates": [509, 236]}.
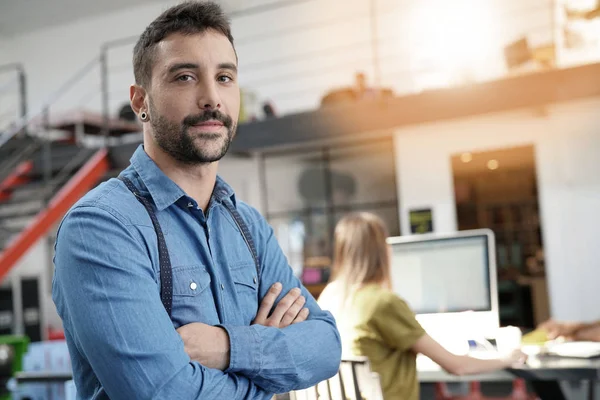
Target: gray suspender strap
{"type": "Point", "coordinates": [166, 276]}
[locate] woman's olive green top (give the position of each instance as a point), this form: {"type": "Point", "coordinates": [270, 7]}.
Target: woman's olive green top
{"type": "Point", "coordinates": [376, 323]}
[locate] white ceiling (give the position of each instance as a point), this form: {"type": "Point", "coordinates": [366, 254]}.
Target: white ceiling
{"type": "Point", "coordinates": [24, 16]}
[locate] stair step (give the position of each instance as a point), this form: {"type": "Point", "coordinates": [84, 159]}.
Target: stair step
{"type": "Point", "coordinates": [22, 197]}
{"type": "Point", "coordinates": [32, 191]}
{"type": "Point", "coordinates": [23, 212]}
{"type": "Point", "coordinates": [6, 237]}
{"type": "Point", "coordinates": [9, 230]}
{"type": "Point", "coordinates": [15, 143]}
{"type": "Point", "coordinates": [61, 157]}
{"type": "Point", "coordinates": [13, 208]}
{"type": "Point", "coordinates": [12, 160]}
{"type": "Point", "coordinates": [15, 224]}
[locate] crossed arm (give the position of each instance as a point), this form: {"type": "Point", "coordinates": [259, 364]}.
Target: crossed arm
{"type": "Point", "coordinates": [209, 345]}
{"type": "Point", "coordinates": [275, 353]}
{"type": "Point", "coordinates": [107, 297]}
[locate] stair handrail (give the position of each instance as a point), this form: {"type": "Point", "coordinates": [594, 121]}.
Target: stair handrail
{"type": "Point", "coordinates": [55, 96]}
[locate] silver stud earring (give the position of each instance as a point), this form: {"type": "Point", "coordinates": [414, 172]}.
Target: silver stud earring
{"type": "Point", "coordinates": [144, 116]}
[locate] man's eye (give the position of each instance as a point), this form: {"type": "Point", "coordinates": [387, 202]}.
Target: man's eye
{"type": "Point", "coordinates": [185, 78]}
{"type": "Point", "coordinates": [225, 79]}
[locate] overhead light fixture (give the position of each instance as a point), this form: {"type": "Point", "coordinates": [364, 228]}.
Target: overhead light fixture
{"type": "Point", "coordinates": [466, 157]}
{"type": "Point", "coordinates": [493, 164]}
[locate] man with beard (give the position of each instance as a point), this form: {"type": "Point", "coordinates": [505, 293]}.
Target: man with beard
{"type": "Point", "coordinates": [168, 286]}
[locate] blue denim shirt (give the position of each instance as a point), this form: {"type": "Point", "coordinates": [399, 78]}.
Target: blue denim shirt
{"type": "Point", "coordinates": [106, 289]}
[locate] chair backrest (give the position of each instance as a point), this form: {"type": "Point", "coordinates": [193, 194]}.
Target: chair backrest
{"type": "Point", "coordinates": [354, 381]}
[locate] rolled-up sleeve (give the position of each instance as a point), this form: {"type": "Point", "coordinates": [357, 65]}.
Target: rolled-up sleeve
{"type": "Point", "coordinates": [106, 293]}
{"type": "Point", "coordinates": [292, 358]}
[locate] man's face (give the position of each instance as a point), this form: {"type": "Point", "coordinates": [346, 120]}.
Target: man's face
{"type": "Point", "coordinates": [194, 97]}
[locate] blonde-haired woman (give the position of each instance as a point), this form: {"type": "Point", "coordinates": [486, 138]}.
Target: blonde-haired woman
{"type": "Point", "coordinates": [376, 323]}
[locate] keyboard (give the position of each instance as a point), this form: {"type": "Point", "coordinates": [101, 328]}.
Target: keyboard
{"type": "Point", "coordinates": [575, 349]}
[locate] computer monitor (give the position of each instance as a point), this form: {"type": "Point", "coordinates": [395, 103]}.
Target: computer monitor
{"type": "Point", "coordinates": [449, 280]}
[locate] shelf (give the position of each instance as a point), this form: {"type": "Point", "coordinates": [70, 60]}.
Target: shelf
{"type": "Point", "coordinates": [348, 121]}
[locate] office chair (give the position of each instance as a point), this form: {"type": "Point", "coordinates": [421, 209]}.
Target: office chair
{"type": "Point", "coordinates": [354, 381]}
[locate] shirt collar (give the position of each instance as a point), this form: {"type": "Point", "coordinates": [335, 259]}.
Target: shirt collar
{"type": "Point", "coordinates": [163, 190]}
{"type": "Point", "coordinates": [223, 191]}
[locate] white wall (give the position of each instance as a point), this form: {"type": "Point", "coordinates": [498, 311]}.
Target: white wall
{"type": "Point", "coordinates": [4, 52]}
{"type": "Point", "coordinates": [53, 56]}
{"type": "Point", "coordinates": [567, 144]}
{"type": "Point", "coordinates": [292, 55]}
{"type": "Point", "coordinates": [242, 174]}
{"type": "Point", "coordinates": [8, 88]}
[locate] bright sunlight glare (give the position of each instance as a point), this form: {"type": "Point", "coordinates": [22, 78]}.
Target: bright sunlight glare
{"type": "Point", "coordinates": [455, 37]}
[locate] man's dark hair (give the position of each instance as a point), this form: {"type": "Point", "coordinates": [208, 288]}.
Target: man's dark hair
{"type": "Point", "coordinates": [187, 18]}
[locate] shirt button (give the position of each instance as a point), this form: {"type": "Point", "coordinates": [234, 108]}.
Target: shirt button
{"type": "Point", "coordinates": [193, 286]}
{"type": "Point", "coordinates": [222, 287]}
{"type": "Point", "coordinates": [254, 279]}
{"type": "Point", "coordinates": [190, 205]}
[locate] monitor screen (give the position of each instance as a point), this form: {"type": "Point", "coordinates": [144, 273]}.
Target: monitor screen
{"type": "Point", "coordinates": [443, 275]}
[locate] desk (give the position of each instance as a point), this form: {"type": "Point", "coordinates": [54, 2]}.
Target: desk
{"type": "Point", "coordinates": [430, 372]}
{"type": "Point", "coordinates": [541, 370]}
{"type": "Point", "coordinates": [42, 376]}
{"type": "Point", "coordinates": [548, 369]}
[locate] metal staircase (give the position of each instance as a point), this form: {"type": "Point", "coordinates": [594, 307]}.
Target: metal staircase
{"type": "Point", "coordinates": [45, 167]}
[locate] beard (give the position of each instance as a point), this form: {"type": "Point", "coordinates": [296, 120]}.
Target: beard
{"type": "Point", "coordinates": [185, 147]}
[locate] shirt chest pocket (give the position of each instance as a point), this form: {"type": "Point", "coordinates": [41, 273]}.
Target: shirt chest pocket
{"type": "Point", "coordinates": [192, 296]}
{"type": "Point", "coordinates": [190, 281]}
{"type": "Point", "coordinates": [246, 289]}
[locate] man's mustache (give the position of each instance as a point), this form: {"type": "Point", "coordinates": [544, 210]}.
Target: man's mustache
{"type": "Point", "coordinates": [215, 115]}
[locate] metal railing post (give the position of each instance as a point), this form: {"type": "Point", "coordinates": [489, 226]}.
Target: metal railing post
{"type": "Point", "coordinates": [23, 97]}
{"type": "Point", "coordinates": [105, 94]}
{"type": "Point", "coordinates": [47, 155]}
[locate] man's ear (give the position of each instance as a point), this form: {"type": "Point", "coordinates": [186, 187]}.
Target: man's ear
{"type": "Point", "coordinates": [137, 97]}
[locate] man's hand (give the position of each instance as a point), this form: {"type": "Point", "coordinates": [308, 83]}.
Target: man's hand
{"type": "Point", "coordinates": [288, 311]}
{"type": "Point", "coordinates": [208, 345]}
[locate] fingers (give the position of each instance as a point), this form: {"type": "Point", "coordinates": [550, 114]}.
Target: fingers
{"type": "Point", "coordinates": [291, 314]}
{"type": "Point", "coordinates": [267, 304]}
{"type": "Point", "coordinates": [283, 306]}
{"type": "Point", "coordinates": [547, 324]}
{"type": "Point", "coordinates": [552, 328]}
{"type": "Point", "coordinates": [559, 330]}
{"type": "Point", "coordinates": [516, 359]}
{"type": "Point", "coordinates": [519, 357]}
{"type": "Point", "coordinates": [302, 316]}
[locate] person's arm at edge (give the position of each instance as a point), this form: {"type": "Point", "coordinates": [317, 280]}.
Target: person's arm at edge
{"type": "Point", "coordinates": [400, 330]}
{"type": "Point", "coordinates": [589, 332]}
{"type": "Point", "coordinates": [292, 358]}
{"type": "Point", "coordinates": [105, 290]}
{"type": "Point", "coordinates": [580, 331]}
